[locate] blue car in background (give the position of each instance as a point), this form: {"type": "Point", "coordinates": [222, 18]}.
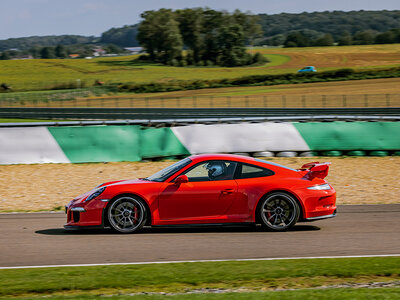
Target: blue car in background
{"type": "Point", "coordinates": [307, 69]}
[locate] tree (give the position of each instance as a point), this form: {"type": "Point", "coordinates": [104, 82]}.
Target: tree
{"type": "Point", "coordinates": [122, 37]}
{"type": "Point", "coordinates": [231, 45]}
{"type": "Point", "coordinates": [190, 25]}
{"type": "Point", "coordinates": [159, 34]}
{"type": "Point", "coordinates": [60, 51]}
{"type": "Point", "coordinates": [345, 39]}
{"type": "Point", "coordinates": [171, 41]}
{"type": "Point", "coordinates": [5, 55]}
{"type": "Point", "coordinates": [388, 37]}
{"type": "Point", "coordinates": [47, 52]}
{"type": "Point", "coordinates": [212, 37]}
{"type": "Point", "coordinates": [296, 39]}
{"type": "Point", "coordinates": [250, 25]}
{"type": "Point", "coordinates": [111, 48]}
{"type": "Point", "coordinates": [35, 52]}
{"type": "Point", "coordinates": [212, 22]}
{"type": "Point", "coordinates": [325, 40]}
{"type": "Point", "coordinates": [364, 38]}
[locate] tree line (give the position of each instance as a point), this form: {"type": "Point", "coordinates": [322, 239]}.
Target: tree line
{"type": "Point", "coordinates": [335, 23]}
{"type": "Point", "coordinates": [26, 43]}
{"type": "Point", "coordinates": [317, 28]}
{"type": "Point", "coordinates": [210, 37]}
{"type": "Point", "coordinates": [306, 39]}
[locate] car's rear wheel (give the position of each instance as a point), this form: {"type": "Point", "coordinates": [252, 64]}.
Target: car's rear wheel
{"type": "Point", "coordinates": [126, 214]}
{"type": "Point", "coordinates": [279, 211]}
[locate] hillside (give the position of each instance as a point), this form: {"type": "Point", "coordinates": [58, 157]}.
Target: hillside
{"type": "Point", "coordinates": [25, 43]}
{"type": "Point", "coordinates": [335, 22]}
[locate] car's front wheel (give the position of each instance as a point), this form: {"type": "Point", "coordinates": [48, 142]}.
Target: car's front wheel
{"type": "Point", "coordinates": [279, 211]}
{"type": "Point", "coordinates": [126, 214]}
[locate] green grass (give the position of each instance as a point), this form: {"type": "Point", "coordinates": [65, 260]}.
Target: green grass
{"type": "Point", "coordinates": [42, 74]}
{"type": "Point", "coordinates": [179, 277]}
{"type": "Point", "coordinates": [276, 59]}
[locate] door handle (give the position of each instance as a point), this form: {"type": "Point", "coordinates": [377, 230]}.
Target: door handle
{"type": "Point", "coordinates": [227, 191]}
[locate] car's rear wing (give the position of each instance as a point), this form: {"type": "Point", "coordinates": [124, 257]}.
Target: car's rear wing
{"type": "Point", "coordinates": [316, 169]}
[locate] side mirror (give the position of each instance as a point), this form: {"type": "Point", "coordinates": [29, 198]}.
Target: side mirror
{"type": "Point", "coordinates": [181, 179]}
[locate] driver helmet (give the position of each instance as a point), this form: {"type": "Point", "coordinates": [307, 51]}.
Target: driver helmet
{"type": "Point", "coordinates": [215, 169]}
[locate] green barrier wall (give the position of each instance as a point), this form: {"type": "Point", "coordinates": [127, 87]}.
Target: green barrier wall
{"type": "Point", "coordinates": [160, 142]}
{"type": "Point", "coordinates": [350, 135]}
{"type": "Point", "coordinates": [99, 143]}
{"type": "Point", "coordinates": [116, 143]}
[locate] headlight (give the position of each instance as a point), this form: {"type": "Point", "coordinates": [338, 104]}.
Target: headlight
{"type": "Point", "coordinates": [320, 187]}
{"type": "Point", "coordinates": [95, 194]}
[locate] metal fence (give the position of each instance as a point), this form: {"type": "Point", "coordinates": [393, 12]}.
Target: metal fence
{"type": "Point", "coordinates": [85, 98]}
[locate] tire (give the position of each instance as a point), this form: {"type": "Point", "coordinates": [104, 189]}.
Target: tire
{"type": "Point", "coordinates": [126, 214]}
{"type": "Point", "coordinates": [279, 211]}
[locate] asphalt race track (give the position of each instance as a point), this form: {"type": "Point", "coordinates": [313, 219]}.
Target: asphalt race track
{"type": "Point", "coordinates": [39, 239]}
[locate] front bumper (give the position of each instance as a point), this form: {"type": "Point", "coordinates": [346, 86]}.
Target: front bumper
{"type": "Point", "coordinates": [89, 215]}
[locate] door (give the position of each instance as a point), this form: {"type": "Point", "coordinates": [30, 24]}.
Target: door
{"type": "Point", "coordinates": [209, 193]}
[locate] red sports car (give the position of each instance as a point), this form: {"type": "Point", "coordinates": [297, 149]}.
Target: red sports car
{"type": "Point", "coordinates": [209, 189]}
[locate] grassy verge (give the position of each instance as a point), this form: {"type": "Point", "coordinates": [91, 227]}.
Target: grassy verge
{"type": "Point", "coordinates": [345, 294]}
{"type": "Point", "coordinates": [181, 277]}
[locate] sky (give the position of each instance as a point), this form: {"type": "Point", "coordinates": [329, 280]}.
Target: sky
{"type": "Point", "coordinates": [21, 18]}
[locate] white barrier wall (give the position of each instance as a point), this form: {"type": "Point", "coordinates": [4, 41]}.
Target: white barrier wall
{"type": "Point", "coordinates": [29, 145]}
{"type": "Point", "coordinates": [244, 137]}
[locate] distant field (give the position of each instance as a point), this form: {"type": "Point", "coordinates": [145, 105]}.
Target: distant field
{"type": "Point", "coordinates": [47, 73]}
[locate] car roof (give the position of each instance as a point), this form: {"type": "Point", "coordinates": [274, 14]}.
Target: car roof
{"type": "Point", "coordinates": [233, 157]}
{"type": "Point", "coordinates": [201, 157]}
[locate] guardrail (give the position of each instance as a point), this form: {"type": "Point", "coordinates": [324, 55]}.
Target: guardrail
{"type": "Point", "coordinates": [186, 113]}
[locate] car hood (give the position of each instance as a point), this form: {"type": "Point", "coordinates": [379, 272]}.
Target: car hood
{"type": "Point", "coordinates": [128, 181]}
{"type": "Point", "coordinates": [82, 197]}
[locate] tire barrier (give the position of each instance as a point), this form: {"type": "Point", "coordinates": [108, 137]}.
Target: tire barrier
{"type": "Point", "coordinates": [78, 144]}
{"type": "Point", "coordinates": [183, 114]}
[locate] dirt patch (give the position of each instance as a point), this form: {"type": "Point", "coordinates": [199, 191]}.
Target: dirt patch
{"type": "Point", "coordinates": [362, 180]}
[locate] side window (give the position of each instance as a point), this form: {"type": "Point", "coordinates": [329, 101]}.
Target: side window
{"type": "Point", "coordinates": [250, 171]}
{"type": "Point", "coordinates": [212, 170]}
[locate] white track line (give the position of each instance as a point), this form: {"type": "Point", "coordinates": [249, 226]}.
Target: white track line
{"type": "Point", "coordinates": [192, 261]}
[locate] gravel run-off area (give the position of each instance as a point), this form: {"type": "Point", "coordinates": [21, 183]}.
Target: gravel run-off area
{"type": "Point", "coordinates": [357, 180]}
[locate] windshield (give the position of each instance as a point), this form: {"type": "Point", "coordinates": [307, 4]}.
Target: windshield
{"type": "Point", "coordinates": [274, 164]}
{"type": "Point", "coordinates": [168, 171]}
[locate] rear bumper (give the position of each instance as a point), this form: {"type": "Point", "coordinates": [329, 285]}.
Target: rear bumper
{"type": "Point", "coordinates": [317, 204]}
